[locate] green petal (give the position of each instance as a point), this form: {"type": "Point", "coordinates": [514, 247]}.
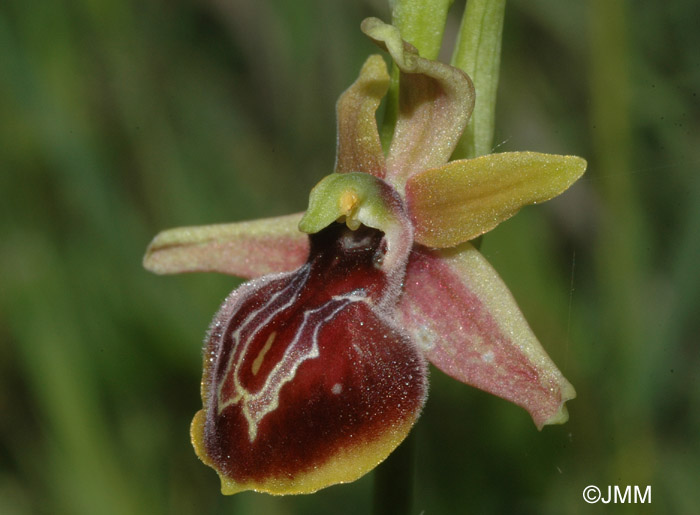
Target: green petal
{"type": "Point", "coordinates": [463, 199]}
{"type": "Point", "coordinates": [245, 249]}
{"type": "Point", "coordinates": [435, 102]}
{"type": "Point", "coordinates": [359, 147]}
{"type": "Point", "coordinates": [461, 313]}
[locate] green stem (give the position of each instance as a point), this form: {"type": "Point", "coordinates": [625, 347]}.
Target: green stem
{"type": "Point", "coordinates": [478, 52]}
{"type": "Point", "coordinates": [393, 481]}
{"type": "Point", "coordinates": [422, 23]}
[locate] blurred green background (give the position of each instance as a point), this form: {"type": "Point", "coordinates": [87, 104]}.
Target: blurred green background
{"type": "Point", "coordinates": [119, 118]}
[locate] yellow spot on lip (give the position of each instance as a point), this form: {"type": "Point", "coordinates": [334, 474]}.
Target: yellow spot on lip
{"type": "Point", "coordinates": [261, 355]}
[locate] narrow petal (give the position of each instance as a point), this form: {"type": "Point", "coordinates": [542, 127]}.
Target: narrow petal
{"type": "Point", "coordinates": [245, 249]}
{"type": "Point", "coordinates": [359, 147]}
{"type": "Point", "coordinates": [458, 309]}
{"type": "Point", "coordinates": [435, 103]}
{"type": "Point", "coordinates": [463, 199]}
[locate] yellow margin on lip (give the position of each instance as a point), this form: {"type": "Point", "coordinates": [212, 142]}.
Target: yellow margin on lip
{"type": "Point", "coordinates": [347, 465]}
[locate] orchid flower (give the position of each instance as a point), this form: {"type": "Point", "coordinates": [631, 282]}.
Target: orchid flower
{"type": "Point", "coordinates": [316, 369]}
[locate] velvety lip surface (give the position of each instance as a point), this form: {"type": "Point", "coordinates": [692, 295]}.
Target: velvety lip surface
{"type": "Point", "coordinates": [306, 367]}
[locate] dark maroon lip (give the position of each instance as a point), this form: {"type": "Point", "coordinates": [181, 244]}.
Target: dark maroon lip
{"type": "Point", "coordinates": [306, 366]}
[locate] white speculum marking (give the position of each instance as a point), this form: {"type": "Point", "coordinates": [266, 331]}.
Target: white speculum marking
{"type": "Point", "coordinates": [304, 346]}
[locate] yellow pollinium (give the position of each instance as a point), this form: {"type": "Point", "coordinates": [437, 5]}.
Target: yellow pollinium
{"type": "Point", "coordinates": [348, 203]}
{"type": "Point", "coordinates": [354, 198]}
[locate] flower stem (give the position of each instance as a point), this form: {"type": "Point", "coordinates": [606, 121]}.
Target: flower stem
{"type": "Point", "coordinates": [393, 481]}
{"type": "Point", "coordinates": [478, 52]}
{"type": "Point", "coordinates": [422, 23]}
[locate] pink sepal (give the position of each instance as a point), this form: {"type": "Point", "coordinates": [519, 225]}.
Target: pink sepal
{"type": "Point", "coordinates": [461, 313]}
{"type": "Point", "coordinates": [244, 249]}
